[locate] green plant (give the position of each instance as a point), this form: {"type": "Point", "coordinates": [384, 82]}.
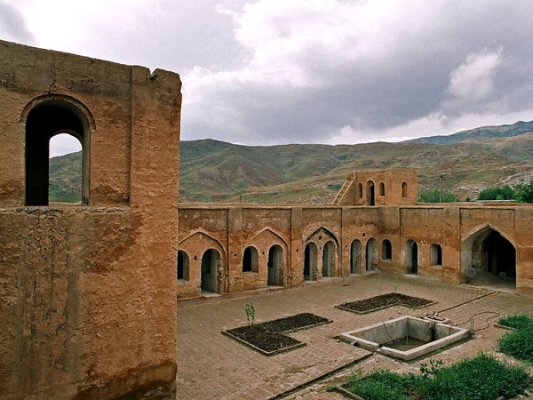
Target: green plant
{"type": "Point", "coordinates": [431, 369]}
{"type": "Point", "coordinates": [437, 196]}
{"type": "Point", "coordinates": [516, 321]}
{"type": "Point", "coordinates": [330, 388]}
{"type": "Point", "coordinates": [381, 385]}
{"type": "Point", "coordinates": [250, 313]}
{"type": "Point", "coordinates": [479, 378]}
{"type": "Point", "coordinates": [395, 283]}
{"type": "Point", "coordinates": [518, 344]}
{"type": "Point", "coordinates": [497, 193]}
{"type": "Point", "coordinates": [524, 193]}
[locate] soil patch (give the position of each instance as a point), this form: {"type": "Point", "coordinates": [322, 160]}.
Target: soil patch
{"type": "Point", "coordinates": [269, 337]}
{"type": "Point", "coordinates": [383, 301]}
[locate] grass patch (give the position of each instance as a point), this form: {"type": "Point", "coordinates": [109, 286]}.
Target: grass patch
{"type": "Point", "coordinates": [479, 378]}
{"type": "Point", "coordinates": [516, 321]}
{"type": "Point", "coordinates": [519, 343]}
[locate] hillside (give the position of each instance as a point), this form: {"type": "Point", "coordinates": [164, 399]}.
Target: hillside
{"type": "Point", "coordinates": [463, 163]}
{"type": "Point", "coordinates": [484, 132]}
{"type": "Point", "coordinates": [65, 178]}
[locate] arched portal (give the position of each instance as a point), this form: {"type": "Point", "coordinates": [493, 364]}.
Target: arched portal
{"type": "Point", "coordinates": [488, 255]}
{"type": "Point", "coordinates": [310, 264]}
{"type": "Point", "coordinates": [371, 255]}
{"type": "Point", "coordinates": [328, 259]}
{"type": "Point", "coordinates": [210, 263]}
{"type": "Point", "coordinates": [43, 122]}
{"type": "Point", "coordinates": [370, 194]}
{"type": "Point", "coordinates": [411, 257]}
{"type": "Point", "coordinates": [355, 257]}
{"type": "Point", "coordinates": [275, 265]}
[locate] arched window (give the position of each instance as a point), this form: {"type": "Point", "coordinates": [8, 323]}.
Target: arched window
{"type": "Point", "coordinates": [183, 266]}
{"type": "Point", "coordinates": [382, 189]}
{"type": "Point", "coordinates": [435, 254]}
{"type": "Point", "coordinates": [386, 250]}
{"type": "Point", "coordinates": [43, 122]}
{"type": "Point", "coordinates": [360, 187]}
{"type": "Point", "coordinates": [404, 189]}
{"type": "Point", "coordinates": [250, 260]}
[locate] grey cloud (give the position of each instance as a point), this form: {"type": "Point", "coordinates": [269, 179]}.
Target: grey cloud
{"type": "Point", "coordinates": [409, 83]}
{"type": "Point", "coordinates": [12, 25]}
{"type": "Point", "coordinates": [176, 35]}
{"type": "Point", "coordinates": [405, 80]}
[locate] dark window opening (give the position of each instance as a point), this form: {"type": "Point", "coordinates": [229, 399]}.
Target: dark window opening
{"type": "Point", "coordinates": [404, 189]}
{"type": "Point", "coordinates": [249, 261]}
{"type": "Point", "coordinates": [183, 266]}
{"type": "Point", "coordinates": [370, 194]}
{"type": "Point", "coordinates": [386, 250]}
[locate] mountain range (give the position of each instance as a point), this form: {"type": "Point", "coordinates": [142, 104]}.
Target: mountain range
{"type": "Point", "coordinates": [463, 163]}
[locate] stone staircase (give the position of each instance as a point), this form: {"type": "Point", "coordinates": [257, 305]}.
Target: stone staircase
{"type": "Point", "coordinates": [343, 190]}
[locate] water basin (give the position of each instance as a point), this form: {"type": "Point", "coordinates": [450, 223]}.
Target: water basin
{"type": "Point", "coordinates": [405, 338]}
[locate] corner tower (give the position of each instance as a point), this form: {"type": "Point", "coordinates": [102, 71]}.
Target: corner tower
{"type": "Point", "coordinates": [88, 292]}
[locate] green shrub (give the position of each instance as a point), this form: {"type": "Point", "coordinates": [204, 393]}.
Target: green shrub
{"type": "Point", "coordinates": [517, 321]}
{"type": "Point", "coordinates": [381, 385]}
{"type": "Point", "coordinates": [518, 344]}
{"type": "Point", "coordinates": [479, 378]}
{"type": "Point", "coordinates": [437, 196]}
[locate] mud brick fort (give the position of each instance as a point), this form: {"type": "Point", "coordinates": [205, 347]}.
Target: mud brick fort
{"type": "Point", "coordinates": [88, 293]}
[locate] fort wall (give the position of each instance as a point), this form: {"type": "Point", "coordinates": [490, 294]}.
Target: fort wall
{"type": "Point", "coordinates": [87, 297]}
{"type": "Point", "coordinates": [440, 234]}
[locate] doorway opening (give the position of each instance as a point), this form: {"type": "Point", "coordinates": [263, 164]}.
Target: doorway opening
{"type": "Point", "coordinates": [209, 277]}
{"type": "Point", "coordinates": [411, 257]}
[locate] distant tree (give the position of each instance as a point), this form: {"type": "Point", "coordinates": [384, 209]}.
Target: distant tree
{"type": "Point", "coordinates": [524, 193]}
{"type": "Point", "coordinates": [497, 193]}
{"type": "Point", "coordinates": [437, 196]}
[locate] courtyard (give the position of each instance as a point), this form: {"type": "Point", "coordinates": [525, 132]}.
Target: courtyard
{"type": "Point", "coordinates": [214, 366]}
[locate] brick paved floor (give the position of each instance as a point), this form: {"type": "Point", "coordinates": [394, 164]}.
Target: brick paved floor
{"type": "Point", "coordinates": [213, 366]}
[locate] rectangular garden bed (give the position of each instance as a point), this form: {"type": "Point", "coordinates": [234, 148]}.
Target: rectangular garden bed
{"type": "Point", "coordinates": [270, 337]}
{"type": "Point", "coordinates": [380, 302]}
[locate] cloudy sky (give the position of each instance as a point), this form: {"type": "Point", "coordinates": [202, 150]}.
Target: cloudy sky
{"type": "Point", "coordinates": [264, 72]}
